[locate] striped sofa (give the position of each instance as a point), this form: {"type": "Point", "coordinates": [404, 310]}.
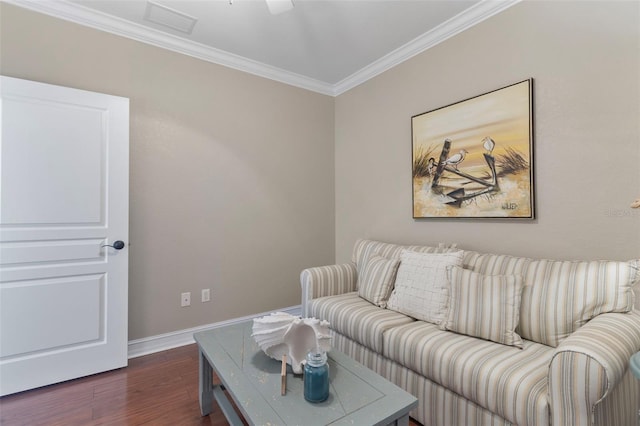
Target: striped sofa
{"type": "Point", "coordinates": [572, 369]}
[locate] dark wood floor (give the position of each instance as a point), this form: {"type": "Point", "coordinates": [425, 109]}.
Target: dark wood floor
{"type": "Point", "coordinates": [157, 389]}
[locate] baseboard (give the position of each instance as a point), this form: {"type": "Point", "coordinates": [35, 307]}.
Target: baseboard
{"type": "Point", "coordinates": [162, 342]}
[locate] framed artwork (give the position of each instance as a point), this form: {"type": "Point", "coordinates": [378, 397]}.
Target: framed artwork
{"type": "Point", "coordinates": [474, 158]}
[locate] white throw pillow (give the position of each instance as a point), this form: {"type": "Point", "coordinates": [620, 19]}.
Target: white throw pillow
{"type": "Point", "coordinates": [421, 288]}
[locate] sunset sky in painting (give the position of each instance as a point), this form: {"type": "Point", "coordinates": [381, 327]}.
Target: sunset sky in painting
{"type": "Point", "coordinates": [503, 115]}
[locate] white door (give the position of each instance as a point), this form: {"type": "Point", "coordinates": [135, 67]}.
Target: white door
{"type": "Point", "coordinates": [64, 170]}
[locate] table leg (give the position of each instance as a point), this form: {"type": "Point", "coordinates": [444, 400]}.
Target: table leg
{"type": "Point", "coordinates": [403, 421]}
{"type": "Point", "coordinates": [205, 384]}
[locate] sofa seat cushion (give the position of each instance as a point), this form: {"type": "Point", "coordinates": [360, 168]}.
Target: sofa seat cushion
{"type": "Point", "coordinates": [505, 380]}
{"type": "Point", "coordinates": [356, 318]}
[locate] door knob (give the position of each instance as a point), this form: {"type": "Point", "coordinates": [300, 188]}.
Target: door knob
{"type": "Point", "coordinates": [118, 245]}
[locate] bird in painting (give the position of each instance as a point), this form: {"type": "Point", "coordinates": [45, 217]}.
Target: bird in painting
{"type": "Point", "coordinates": [456, 159]}
{"type": "Point", "coordinates": [431, 164]}
{"type": "Point", "coordinates": [488, 144]}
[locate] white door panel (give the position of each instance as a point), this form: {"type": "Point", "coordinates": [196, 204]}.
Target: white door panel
{"type": "Point", "coordinates": [36, 252]}
{"type": "Point", "coordinates": [76, 297]}
{"type": "Point", "coordinates": [53, 190]}
{"type": "Point", "coordinates": [63, 196]}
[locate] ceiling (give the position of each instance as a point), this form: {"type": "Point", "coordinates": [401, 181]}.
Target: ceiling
{"type": "Point", "coordinates": [322, 45]}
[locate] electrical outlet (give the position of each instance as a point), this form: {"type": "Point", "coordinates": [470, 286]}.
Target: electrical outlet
{"type": "Point", "coordinates": [185, 299]}
{"type": "Point", "coordinates": [206, 295]}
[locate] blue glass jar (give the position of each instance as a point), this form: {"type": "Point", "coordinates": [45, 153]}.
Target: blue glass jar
{"type": "Point", "coordinates": [316, 377]}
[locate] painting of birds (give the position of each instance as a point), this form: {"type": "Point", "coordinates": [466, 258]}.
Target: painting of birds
{"type": "Point", "coordinates": [456, 159]}
{"type": "Point", "coordinates": [488, 144]}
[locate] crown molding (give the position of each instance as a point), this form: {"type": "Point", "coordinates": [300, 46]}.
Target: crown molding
{"type": "Point", "coordinates": [459, 23]}
{"type": "Point", "coordinates": [101, 21]}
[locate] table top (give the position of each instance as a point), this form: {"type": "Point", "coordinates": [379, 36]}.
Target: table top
{"type": "Point", "coordinates": [357, 395]}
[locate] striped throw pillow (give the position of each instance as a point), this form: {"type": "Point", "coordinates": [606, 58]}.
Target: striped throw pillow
{"type": "Point", "coordinates": [376, 281]}
{"type": "Point", "coordinates": [421, 288]}
{"type": "Point", "coordinates": [484, 306]}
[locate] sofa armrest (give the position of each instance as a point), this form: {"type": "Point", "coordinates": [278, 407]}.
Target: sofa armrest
{"type": "Point", "coordinates": [588, 365]}
{"type": "Point", "coordinates": [327, 281]}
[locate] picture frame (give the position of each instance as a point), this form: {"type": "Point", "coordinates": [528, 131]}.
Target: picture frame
{"type": "Point", "coordinates": [474, 158]}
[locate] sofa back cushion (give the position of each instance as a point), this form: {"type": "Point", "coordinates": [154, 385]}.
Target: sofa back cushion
{"type": "Point", "coordinates": [560, 296]}
{"type": "Point", "coordinates": [635, 264]}
{"type": "Point", "coordinates": [363, 249]}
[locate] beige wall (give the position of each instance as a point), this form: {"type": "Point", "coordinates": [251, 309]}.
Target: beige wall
{"type": "Point", "coordinates": [232, 176]}
{"type": "Point", "coordinates": [585, 61]}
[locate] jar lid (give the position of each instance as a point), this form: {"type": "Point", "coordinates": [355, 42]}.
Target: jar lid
{"type": "Point", "coordinates": [316, 358]}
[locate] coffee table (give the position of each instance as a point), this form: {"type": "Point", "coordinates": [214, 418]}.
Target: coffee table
{"type": "Point", "coordinates": [357, 395]}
